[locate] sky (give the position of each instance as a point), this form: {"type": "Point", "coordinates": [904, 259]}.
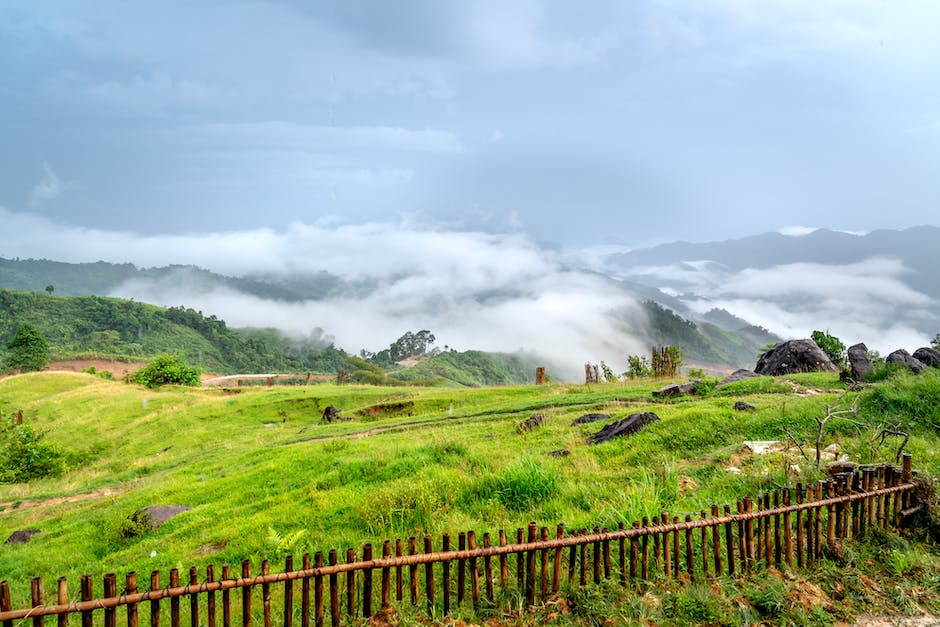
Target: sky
{"type": "Point", "coordinates": [466, 157]}
{"type": "Point", "coordinates": [578, 124]}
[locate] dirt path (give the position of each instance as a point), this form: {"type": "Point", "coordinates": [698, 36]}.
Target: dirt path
{"type": "Point", "coordinates": [27, 503]}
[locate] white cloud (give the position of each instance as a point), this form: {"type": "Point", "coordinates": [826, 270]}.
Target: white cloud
{"type": "Point", "coordinates": [474, 290]}
{"type": "Point", "coordinates": [280, 135]}
{"type": "Point", "coordinates": [50, 187]}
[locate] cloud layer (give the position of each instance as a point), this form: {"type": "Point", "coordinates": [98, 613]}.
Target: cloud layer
{"type": "Point", "coordinates": [473, 290]}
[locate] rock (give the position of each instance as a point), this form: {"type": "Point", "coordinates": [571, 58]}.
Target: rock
{"type": "Point", "coordinates": [838, 467]}
{"type": "Point", "coordinates": [21, 536]}
{"type": "Point", "coordinates": [628, 426]}
{"type": "Point", "coordinates": [928, 356]}
{"type": "Point", "coordinates": [737, 375]}
{"type": "Point", "coordinates": [153, 516]}
{"type": "Point", "coordinates": [330, 414]}
{"type": "Point", "coordinates": [742, 406]}
{"type": "Point", "coordinates": [562, 452]}
{"type": "Point", "coordinates": [859, 362]}
{"type": "Point", "coordinates": [794, 356]}
{"type": "Point", "coordinates": [763, 447]}
{"type": "Point", "coordinates": [734, 470]}
{"type": "Point", "coordinates": [586, 418]}
{"type": "Point", "coordinates": [527, 425]}
{"type": "Point", "coordinates": [903, 358]}
{"type": "Point", "coordinates": [677, 389]}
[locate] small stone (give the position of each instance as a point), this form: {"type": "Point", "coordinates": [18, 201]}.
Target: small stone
{"type": "Point", "coordinates": [742, 406]}
{"type": "Point", "coordinates": [527, 425]}
{"type": "Point", "coordinates": [562, 452]}
{"type": "Point", "coordinates": [587, 418]}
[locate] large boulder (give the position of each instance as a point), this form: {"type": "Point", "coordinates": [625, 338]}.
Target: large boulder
{"type": "Point", "coordinates": [737, 375]}
{"type": "Point", "coordinates": [928, 356]}
{"type": "Point", "coordinates": [153, 516]}
{"type": "Point", "coordinates": [901, 357]}
{"type": "Point", "coordinates": [859, 361]}
{"type": "Point", "coordinates": [794, 356]}
{"type": "Point", "coordinates": [628, 426]}
{"type": "Point", "coordinates": [677, 389]}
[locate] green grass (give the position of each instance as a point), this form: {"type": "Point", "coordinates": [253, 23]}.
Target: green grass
{"type": "Point", "coordinates": [264, 476]}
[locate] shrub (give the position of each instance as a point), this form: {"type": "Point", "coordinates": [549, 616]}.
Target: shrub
{"type": "Point", "coordinates": [638, 366]}
{"type": "Point", "coordinates": [24, 456]}
{"type": "Point", "coordinates": [520, 486]}
{"type": "Point", "coordinates": [832, 346]}
{"type": "Point", "coordinates": [167, 370]}
{"type": "Point", "coordinates": [28, 351]}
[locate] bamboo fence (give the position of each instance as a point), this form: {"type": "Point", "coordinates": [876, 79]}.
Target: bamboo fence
{"type": "Point", "coordinates": [789, 526]}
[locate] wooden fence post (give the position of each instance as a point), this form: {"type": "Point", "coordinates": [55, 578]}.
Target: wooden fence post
{"type": "Point", "coordinates": [62, 597]}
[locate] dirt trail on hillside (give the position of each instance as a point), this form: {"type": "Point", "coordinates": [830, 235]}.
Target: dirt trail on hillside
{"type": "Point", "coordinates": [27, 503]}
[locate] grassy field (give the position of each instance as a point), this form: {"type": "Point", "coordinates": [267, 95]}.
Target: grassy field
{"type": "Point", "coordinates": [265, 478]}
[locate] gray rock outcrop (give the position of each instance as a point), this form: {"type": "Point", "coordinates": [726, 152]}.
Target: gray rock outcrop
{"type": "Point", "coordinates": [928, 356]}
{"type": "Point", "coordinates": [859, 361]}
{"type": "Point", "coordinates": [742, 406]}
{"type": "Point", "coordinates": [737, 375]}
{"type": "Point", "coordinates": [901, 357]}
{"type": "Point", "coordinates": [21, 536]}
{"type": "Point", "coordinates": [628, 426]}
{"type": "Point", "coordinates": [153, 516]}
{"type": "Point", "coordinates": [677, 389]}
{"type": "Point", "coordinates": [794, 356]}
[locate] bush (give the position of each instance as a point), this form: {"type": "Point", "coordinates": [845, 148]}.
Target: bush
{"type": "Point", "coordinates": [28, 351]}
{"type": "Point", "coordinates": [832, 346]}
{"type": "Point", "coordinates": [518, 487]}
{"type": "Point", "coordinates": [167, 370]}
{"type": "Point", "coordinates": [24, 456]}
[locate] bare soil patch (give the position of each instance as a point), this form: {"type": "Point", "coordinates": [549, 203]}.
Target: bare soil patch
{"type": "Point", "coordinates": [118, 368]}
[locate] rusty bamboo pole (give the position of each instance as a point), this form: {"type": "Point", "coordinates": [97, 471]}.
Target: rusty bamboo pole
{"type": "Point", "coordinates": [645, 556]}
{"type": "Point", "coordinates": [334, 591]}
{"type": "Point", "coordinates": [606, 549]}
{"type": "Point", "coordinates": [634, 553]}
{"type": "Point", "coordinates": [520, 561]}
{"type": "Point", "coordinates": [35, 593]}
{"type": "Point", "coordinates": [768, 549]}
{"type": "Point", "coordinates": [318, 609]}
{"type": "Point", "coordinates": [778, 549]}
{"type": "Point", "coordinates": [596, 557]}
{"type": "Point", "coordinates": [210, 598]}
{"type": "Point", "coordinates": [749, 532]}
{"type": "Point", "coordinates": [830, 513]}
{"type": "Point", "coordinates": [667, 553]}
{"type": "Point", "coordinates": [246, 594]}
{"type": "Point", "coordinates": [350, 584]}
{"type": "Point", "coordinates": [799, 526]}
{"type": "Point", "coordinates": [6, 604]}
{"type": "Point", "coordinates": [130, 587]}
{"type": "Point", "coordinates": [226, 597]}
{"type": "Point", "coordinates": [758, 530]}
{"type": "Point", "coordinates": [716, 541]}
{"type": "Point", "coordinates": [193, 598]}
{"type": "Point", "coordinates": [445, 575]}
{"type": "Point", "coordinates": [367, 581]}
{"type": "Point", "coordinates": [572, 557]}
{"type": "Point", "coordinates": [288, 593]}
{"type": "Point", "coordinates": [85, 583]}
{"type": "Point", "coordinates": [817, 543]}
{"type": "Point", "coordinates": [787, 529]}
{"type": "Point", "coordinates": [544, 585]}
{"type": "Point", "coordinates": [386, 593]}
{"type": "Point", "coordinates": [582, 570]}
{"type": "Point", "coordinates": [729, 538]}
{"type": "Point", "coordinates": [474, 572]}
{"type": "Point", "coordinates": [487, 570]}
{"type": "Point", "coordinates": [530, 565]}
{"type": "Point", "coordinates": [399, 586]}
{"type": "Point", "coordinates": [110, 592]}
{"type": "Point", "coordinates": [429, 576]}
{"type": "Point", "coordinates": [704, 543]}
{"type": "Point", "coordinates": [413, 569]}
{"type": "Point", "coordinates": [689, 549]}
{"type": "Point", "coordinates": [175, 601]}
{"type": "Point", "coordinates": [503, 561]}
{"type": "Point", "coordinates": [621, 554]}
{"type": "Point", "coordinates": [656, 550]}
{"type": "Point", "coordinates": [856, 488]}
{"type": "Point", "coordinates": [461, 568]}
{"type": "Point", "coordinates": [676, 557]}
{"type": "Point", "coordinates": [742, 537]}
{"type": "Point", "coordinates": [556, 564]}
{"type": "Point", "coordinates": [62, 597]}
{"type": "Point", "coordinates": [265, 594]}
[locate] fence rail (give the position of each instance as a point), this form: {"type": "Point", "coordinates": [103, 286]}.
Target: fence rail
{"type": "Point", "coordinates": [779, 531]}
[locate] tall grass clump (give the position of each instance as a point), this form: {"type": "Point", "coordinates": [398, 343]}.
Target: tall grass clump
{"type": "Point", "coordinates": [911, 398]}
{"type": "Point", "coordinates": [518, 487]}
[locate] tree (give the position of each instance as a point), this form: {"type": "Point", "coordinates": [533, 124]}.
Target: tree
{"type": "Point", "coordinates": [28, 350]}
{"type": "Point", "coordinates": [167, 370]}
{"type": "Point", "coordinates": [935, 342]}
{"type": "Point", "coordinates": [832, 346]}
{"type": "Point", "coordinates": [50, 289]}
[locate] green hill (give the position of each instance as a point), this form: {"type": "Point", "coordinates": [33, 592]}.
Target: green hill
{"type": "Point", "coordinates": [473, 369]}
{"type": "Point", "coordinates": [117, 328]}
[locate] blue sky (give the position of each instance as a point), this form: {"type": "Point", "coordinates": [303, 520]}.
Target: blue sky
{"type": "Point", "coordinates": [576, 124]}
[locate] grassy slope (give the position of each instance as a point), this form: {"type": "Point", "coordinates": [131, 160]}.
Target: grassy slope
{"type": "Point", "coordinates": [254, 462]}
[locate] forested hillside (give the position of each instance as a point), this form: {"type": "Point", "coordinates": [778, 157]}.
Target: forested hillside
{"type": "Point", "coordinates": [114, 327]}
